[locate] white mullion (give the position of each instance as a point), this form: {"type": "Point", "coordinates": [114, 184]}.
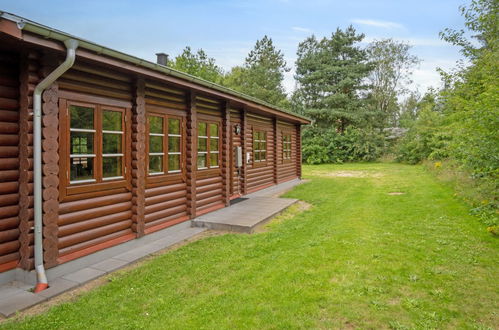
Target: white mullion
{"type": "Point", "coordinates": [174, 135]}
{"type": "Point", "coordinates": [156, 173]}
{"type": "Point", "coordinates": [83, 130]}
{"type": "Point", "coordinates": [156, 134]}
{"type": "Point", "coordinates": [174, 153]}
{"type": "Point", "coordinates": [81, 155]}
{"type": "Point", "coordinates": [112, 155]}
{"type": "Point", "coordinates": [112, 178]}
{"type": "Point", "coordinates": [156, 154]}
{"type": "Point", "coordinates": [112, 132]}
{"type": "Point", "coordinates": [82, 181]}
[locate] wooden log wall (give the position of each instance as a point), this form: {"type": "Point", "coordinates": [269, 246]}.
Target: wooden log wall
{"type": "Point", "coordinates": [165, 202]}
{"type": "Point", "coordinates": [139, 159]}
{"type": "Point", "coordinates": [79, 224]}
{"type": "Point", "coordinates": [191, 155]}
{"type": "Point", "coordinates": [29, 78]}
{"type": "Point", "coordinates": [88, 222]}
{"type": "Point", "coordinates": [298, 151]}
{"type": "Point", "coordinates": [260, 175]}
{"type": "Point", "coordinates": [209, 183]}
{"type": "Point", "coordinates": [225, 152]}
{"type": "Point", "coordinates": [9, 160]}
{"type": "Point", "coordinates": [236, 179]}
{"type": "Point", "coordinates": [286, 169]}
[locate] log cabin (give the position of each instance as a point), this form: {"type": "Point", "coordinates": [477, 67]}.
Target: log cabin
{"type": "Point", "coordinates": [125, 147]}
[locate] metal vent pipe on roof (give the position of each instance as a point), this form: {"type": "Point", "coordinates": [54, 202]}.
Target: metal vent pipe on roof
{"type": "Point", "coordinates": [162, 59]}
{"type": "Point", "coordinates": [71, 46]}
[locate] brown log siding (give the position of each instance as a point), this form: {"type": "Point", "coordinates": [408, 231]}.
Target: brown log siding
{"type": "Point", "coordinates": [9, 158]}
{"type": "Point", "coordinates": [86, 221]}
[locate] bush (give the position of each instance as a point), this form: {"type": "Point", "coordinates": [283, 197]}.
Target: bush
{"type": "Point", "coordinates": [328, 146]}
{"type": "Point", "coordinates": [426, 139]}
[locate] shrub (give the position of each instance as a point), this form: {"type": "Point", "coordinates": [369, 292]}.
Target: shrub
{"type": "Point", "coordinates": [328, 146]}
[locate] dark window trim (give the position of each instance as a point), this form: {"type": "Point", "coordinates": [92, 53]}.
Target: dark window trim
{"type": "Point", "coordinates": [166, 175]}
{"type": "Point", "coordinates": [209, 168]}
{"type": "Point", "coordinates": [265, 132]}
{"type": "Point", "coordinates": [67, 188]}
{"type": "Point", "coordinates": [287, 143]}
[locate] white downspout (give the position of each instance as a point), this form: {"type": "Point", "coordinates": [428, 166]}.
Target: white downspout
{"type": "Point", "coordinates": [71, 46]}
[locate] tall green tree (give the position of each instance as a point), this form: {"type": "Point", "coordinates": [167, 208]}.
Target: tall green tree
{"type": "Point", "coordinates": [198, 64]}
{"type": "Point", "coordinates": [262, 73]}
{"type": "Point", "coordinates": [392, 65]}
{"type": "Point", "coordinates": [482, 22]}
{"type": "Point", "coordinates": [331, 76]}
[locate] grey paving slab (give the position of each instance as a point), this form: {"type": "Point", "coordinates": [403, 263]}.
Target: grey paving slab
{"type": "Point", "coordinates": [57, 287]}
{"type": "Point", "coordinates": [84, 275]}
{"type": "Point", "coordinates": [109, 265]}
{"type": "Point", "coordinates": [18, 302]}
{"type": "Point", "coordinates": [244, 216]}
{"type": "Point", "coordinates": [9, 290]}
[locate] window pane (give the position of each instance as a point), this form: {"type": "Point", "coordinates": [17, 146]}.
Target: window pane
{"type": "Point", "coordinates": [263, 155]}
{"type": "Point", "coordinates": [173, 162]}
{"type": "Point", "coordinates": [81, 143]}
{"type": "Point", "coordinates": [173, 126]}
{"type": "Point", "coordinates": [213, 144]}
{"type": "Point", "coordinates": [111, 166]}
{"type": "Point", "coordinates": [201, 160]}
{"type": "Point", "coordinates": [202, 129]}
{"type": "Point", "coordinates": [155, 164]}
{"type": "Point", "coordinates": [213, 130]}
{"type": "Point", "coordinates": [156, 124]}
{"type": "Point", "coordinates": [255, 145]}
{"type": "Point", "coordinates": [81, 168]}
{"type": "Point", "coordinates": [111, 143]}
{"type": "Point", "coordinates": [173, 144]}
{"type": "Point", "coordinates": [202, 144]}
{"type": "Point", "coordinates": [111, 120]}
{"type": "Point", "coordinates": [213, 160]}
{"type": "Point", "coordinates": [81, 117]}
{"type": "Point", "coordinates": [155, 143]}
{"type": "Point", "coordinates": [263, 145]}
{"type": "Point", "coordinates": [257, 156]}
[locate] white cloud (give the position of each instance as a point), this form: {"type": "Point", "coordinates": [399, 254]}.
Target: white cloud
{"type": "Point", "coordinates": [426, 42]}
{"type": "Point", "coordinates": [301, 29]}
{"type": "Point", "coordinates": [378, 23]}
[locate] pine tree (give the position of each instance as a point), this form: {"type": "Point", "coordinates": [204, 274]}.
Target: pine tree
{"type": "Point", "coordinates": [262, 73]}
{"type": "Point", "coordinates": [330, 73]}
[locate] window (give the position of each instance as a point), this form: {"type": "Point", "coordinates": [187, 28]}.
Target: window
{"type": "Point", "coordinates": [96, 138]}
{"type": "Point", "coordinates": [165, 144]}
{"type": "Point", "coordinates": [286, 146]}
{"type": "Point", "coordinates": [259, 146]}
{"type": "Point", "coordinates": [208, 145]}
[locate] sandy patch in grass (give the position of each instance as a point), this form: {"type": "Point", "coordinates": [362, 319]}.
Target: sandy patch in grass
{"type": "Point", "coordinates": [348, 174]}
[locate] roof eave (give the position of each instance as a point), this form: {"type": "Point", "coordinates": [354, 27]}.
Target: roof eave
{"type": "Point", "coordinates": [50, 33]}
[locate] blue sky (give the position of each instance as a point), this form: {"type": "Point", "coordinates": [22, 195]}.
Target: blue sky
{"type": "Point", "coordinates": [227, 30]}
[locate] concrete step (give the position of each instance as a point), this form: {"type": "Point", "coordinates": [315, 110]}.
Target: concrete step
{"type": "Point", "coordinates": [245, 216]}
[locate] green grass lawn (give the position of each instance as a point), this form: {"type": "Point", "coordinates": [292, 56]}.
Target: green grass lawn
{"type": "Point", "coordinates": [358, 258]}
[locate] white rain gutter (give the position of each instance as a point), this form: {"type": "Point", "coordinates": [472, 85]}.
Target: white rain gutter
{"type": "Point", "coordinates": [71, 46]}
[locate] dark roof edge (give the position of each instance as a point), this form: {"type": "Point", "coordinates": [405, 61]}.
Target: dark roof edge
{"type": "Point", "coordinates": [50, 33]}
